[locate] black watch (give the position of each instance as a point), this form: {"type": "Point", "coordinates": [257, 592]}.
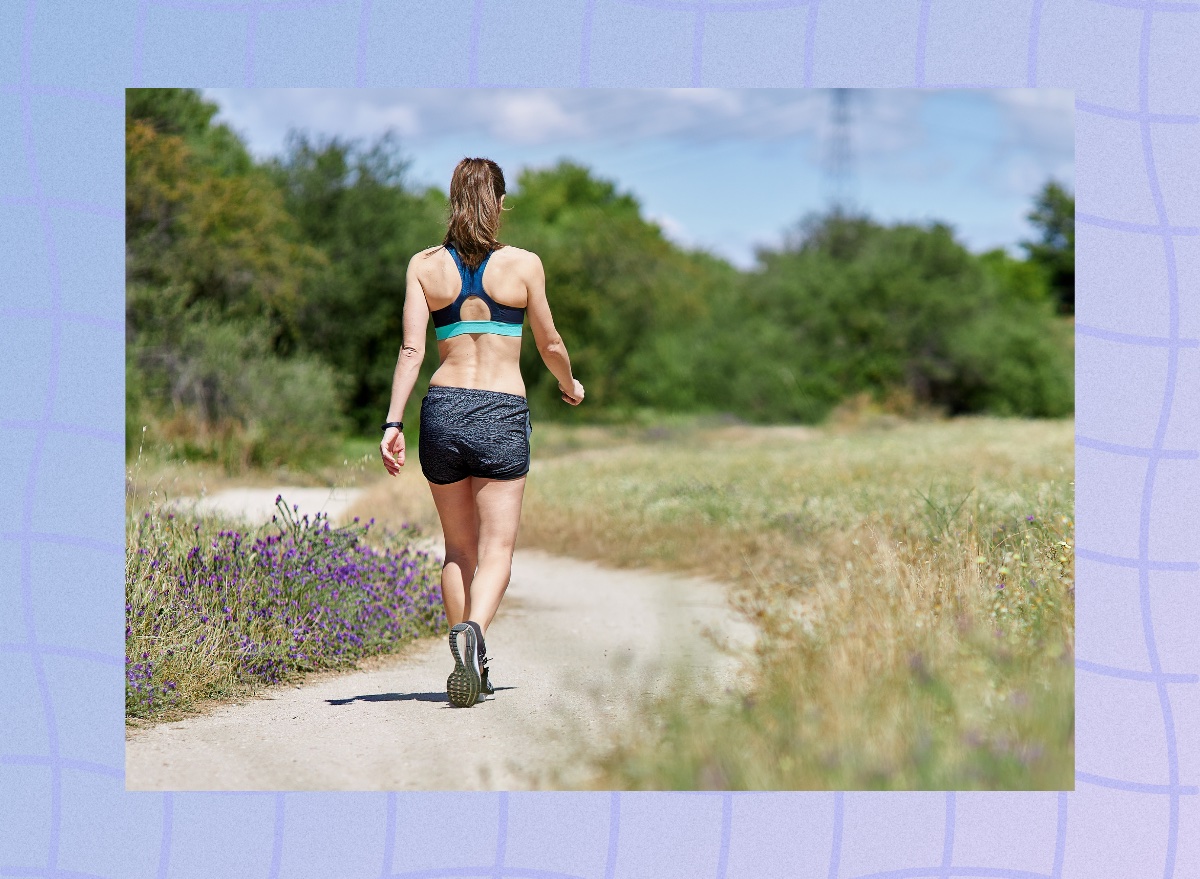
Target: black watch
{"type": "Point", "coordinates": [399, 424]}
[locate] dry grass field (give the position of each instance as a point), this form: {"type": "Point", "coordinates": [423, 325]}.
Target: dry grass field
{"type": "Point", "coordinates": [912, 581]}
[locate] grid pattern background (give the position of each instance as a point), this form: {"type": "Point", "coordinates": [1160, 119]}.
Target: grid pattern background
{"type": "Point", "coordinates": [1132, 65]}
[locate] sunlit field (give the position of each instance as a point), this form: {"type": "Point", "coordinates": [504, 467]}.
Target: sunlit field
{"type": "Point", "coordinates": [913, 584]}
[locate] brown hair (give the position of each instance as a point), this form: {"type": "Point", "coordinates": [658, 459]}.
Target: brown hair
{"type": "Point", "coordinates": [475, 190]}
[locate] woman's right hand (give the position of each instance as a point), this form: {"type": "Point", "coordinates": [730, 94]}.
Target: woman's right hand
{"type": "Point", "coordinates": [575, 396]}
{"type": "Point", "coordinates": [391, 449]}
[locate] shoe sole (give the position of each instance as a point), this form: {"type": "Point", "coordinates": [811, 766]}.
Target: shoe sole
{"type": "Point", "coordinates": [463, 684]}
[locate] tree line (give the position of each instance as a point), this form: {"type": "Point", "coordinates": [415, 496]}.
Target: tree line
{"type": "Point", "coordinates": [264, 298]}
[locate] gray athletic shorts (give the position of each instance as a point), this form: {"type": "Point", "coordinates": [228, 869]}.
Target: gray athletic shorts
{"type": "Point", "coordinates": [471, 432]}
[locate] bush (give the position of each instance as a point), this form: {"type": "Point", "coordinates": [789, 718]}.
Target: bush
{"type": "Point", "coordinates": [211, 610]}
{"type": "Point", "coordinates": [1017, 363]}
{"type": "Point", "coordinates": [851, 306]}
{"type": "Point", "coordinates": [221, 398]}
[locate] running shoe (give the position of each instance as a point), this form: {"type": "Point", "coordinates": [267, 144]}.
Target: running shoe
{"type": "Point", "coordinates": [463, 684]}
{"type": "Point", "coordinates": [486, 690]}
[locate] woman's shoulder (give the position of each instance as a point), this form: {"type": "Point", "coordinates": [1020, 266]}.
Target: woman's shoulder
{"type": "Point", "coordinates": [426, 259]}
{"type": "Point", "coordinates": [517, 257]}
{"type": "Point", "coordinates": [507, 257]}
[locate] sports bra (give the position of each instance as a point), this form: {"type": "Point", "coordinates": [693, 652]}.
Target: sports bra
{"type": "Point", "coordinates": [506, 320]}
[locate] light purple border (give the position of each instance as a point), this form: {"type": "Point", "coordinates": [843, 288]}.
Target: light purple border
{"type": "Point", "coordinates": [62, 70]}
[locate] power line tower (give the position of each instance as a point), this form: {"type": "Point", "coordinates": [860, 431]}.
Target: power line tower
{"type": "Point", "coordinates": [839, 156]}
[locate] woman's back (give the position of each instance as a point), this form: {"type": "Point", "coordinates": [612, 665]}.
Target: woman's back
{"type": "Point", "coordinates": [487, 360]}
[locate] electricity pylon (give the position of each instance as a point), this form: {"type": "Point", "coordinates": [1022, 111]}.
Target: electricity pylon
{"type": "Point", "coordinates": [839, 157]}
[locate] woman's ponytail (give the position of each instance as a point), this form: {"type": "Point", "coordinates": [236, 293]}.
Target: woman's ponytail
{"type": "Point", "coordinates": [475, 191]}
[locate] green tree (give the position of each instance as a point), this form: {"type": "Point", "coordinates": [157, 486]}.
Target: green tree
{"type": "Point", "coordinates": [1053, 215]}
{"type": "Point", "coordinates": [266, 298]}
{"type": "Point", "coordinates": [226, 241]}
{"type": "Point", "coordinates": [850, 305]}
{"type": "Point", "coordinates": [353, 202]}
{"type": "Point", "coordinates": [214, 273]}
{"type": "Point", "coordinates": [186, 114]}
{"type": "Point", "coordinates": [628, 302]}
{"type": "Point", "coordinates": [180, 112]}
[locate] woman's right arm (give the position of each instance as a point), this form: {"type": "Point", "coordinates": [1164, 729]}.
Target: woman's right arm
{"type": "Point", "coordinates": [549, 343]}
{"type": "Point", "coordinates": [408, 364]}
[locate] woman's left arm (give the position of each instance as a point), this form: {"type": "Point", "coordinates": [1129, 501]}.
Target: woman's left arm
{"type": "Point", "coordinates": [408, 364]}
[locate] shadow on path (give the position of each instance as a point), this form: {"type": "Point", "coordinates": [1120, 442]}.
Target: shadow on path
{"type": "Point", "coordinates": [400, 697]}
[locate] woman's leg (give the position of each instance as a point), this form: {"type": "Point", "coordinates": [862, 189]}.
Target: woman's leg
{"type": "Point", "coordinates": [498, 502]}
{"type": "Point", "coordinates": [456, 509]}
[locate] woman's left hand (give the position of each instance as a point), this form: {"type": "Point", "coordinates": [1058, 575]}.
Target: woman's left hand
{"type": "Point", "coordinates": [391, 448]}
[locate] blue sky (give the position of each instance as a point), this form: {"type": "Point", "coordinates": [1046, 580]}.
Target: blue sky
{"type": "Point", "coordinates": [721, 169]}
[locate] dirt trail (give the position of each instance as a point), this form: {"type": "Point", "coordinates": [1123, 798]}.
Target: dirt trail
{"type": "Point", "coordinates": [574, 647]}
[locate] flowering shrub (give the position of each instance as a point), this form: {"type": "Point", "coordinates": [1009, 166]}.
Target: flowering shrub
{"type": "Point", "coordinates": [211, 610]}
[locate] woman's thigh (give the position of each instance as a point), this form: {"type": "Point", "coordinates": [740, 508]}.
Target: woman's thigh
{"type": "Point", "coordinates": [456, 509]}
{"type": "Point", "coordinates": [498, 502]}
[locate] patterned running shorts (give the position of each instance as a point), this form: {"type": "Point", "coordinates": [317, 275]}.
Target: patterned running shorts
{"type": "Point", "coordinates": [473, 432]}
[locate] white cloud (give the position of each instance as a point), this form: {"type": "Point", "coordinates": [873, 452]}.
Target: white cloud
{"type": "Point", "coordinates": [369, 118]}
{"type": "Point", "coordinates": [884, 122]}
{"type": "Point", "coordinates": [1039, 144]}
{"type": "Point", "coordinates": [525, 116]}
{"type": "Point", "coordinates": [533, 117]}
{"type": "Point", "coordinates": [1041, 118]}
{"type": "Point", "coordinates": [672, 228]}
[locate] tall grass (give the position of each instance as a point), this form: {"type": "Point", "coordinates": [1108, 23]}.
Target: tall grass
{"type": "Point", "coordinates": [915, 669]}
{"type": "Point", "coordinates": [913, 589]}
{"type": "Point", "coordinates": [912, 583]}
{"type": "Point", "coordinates": [213, 610]}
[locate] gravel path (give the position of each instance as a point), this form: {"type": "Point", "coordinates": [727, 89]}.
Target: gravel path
{"type": "Point", "coordinates": [574, 648]}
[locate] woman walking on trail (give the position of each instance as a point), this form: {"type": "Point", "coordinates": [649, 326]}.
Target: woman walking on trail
{"type": "Point", "coordinates": [474, 434]}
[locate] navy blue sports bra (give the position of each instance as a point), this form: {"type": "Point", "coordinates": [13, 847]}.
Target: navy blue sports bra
{"type": "Point", "coordinates": [506, 320]}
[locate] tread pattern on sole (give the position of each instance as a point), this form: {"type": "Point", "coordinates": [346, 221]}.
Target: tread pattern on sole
{"type": "Point", "coordinates": [463, 684]}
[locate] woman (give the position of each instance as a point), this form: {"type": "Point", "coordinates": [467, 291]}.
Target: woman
{"type": "Point", "coordinates": [474, 434]}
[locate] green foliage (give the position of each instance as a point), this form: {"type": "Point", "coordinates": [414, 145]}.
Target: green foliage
{"type": "Point", "coordinates": [1021, 279]}
{"type": "Point", "coordinates": [247, 280]}
{"type": "Point", "coordinates": [226, 241]}
{"type": "Point", "coordinates": [1013, 361]}
{"type": "Point", "coordinates": [1053, 215]}
{"type": "Point", "coordinates": [184, 113]}
{"type": "Point", "coordinates": [629, 303]}
{"type": "Point", "coordinates": [353, 203]}
{"type": "Point", "coordinates": [181, 112]}
{"type": "Point", "coordinates": [135, 401]}
{"type": "Point", "coordinates": [220, 397]}
{"type": "Point", "coordinates": [214, 277]}
{"type": "Point", "coordinates": [850, 306]}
